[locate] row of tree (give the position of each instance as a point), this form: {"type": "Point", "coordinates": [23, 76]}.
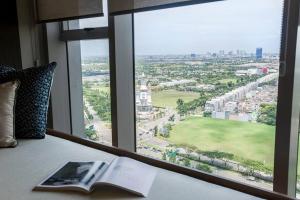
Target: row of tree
{"type": "Point", "coordinates": [100, 101]}
{"type": "Point", "coordinates": [184, 108]}
{"type": "Point", "coordinates": [267, 114]}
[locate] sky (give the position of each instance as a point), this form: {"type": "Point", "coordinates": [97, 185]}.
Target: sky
{"type": "Point", "coordinates": [225, 25]}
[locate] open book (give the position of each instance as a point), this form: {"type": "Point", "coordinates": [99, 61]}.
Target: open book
{"type": "Point", "coordinates": [122, 172]}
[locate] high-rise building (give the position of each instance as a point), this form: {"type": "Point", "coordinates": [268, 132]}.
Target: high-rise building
{"type": "Point", "coordinates": [259, 52]}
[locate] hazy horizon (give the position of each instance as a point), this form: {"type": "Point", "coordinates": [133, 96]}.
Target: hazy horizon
{"type": "Point", "coordinates": [228, 25]}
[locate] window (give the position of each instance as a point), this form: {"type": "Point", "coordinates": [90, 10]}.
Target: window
{"type": "Point", "coordinates": [196, 85]}
{"type": "Point", "coordinates": [206, 87]}
{"type": "Point", "coordinates": [96, 100]}
{"type": "Point", "coordinates": [96, 90]}
{"type": "Point", "coordinates": [88, 60]}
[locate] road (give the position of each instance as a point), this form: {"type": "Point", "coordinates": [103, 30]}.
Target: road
{"type": "Point", "coordinates": [103, 132]}
{"type": "Point", "coordinates": [144, 135]}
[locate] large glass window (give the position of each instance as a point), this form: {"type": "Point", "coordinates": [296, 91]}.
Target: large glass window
{"type": "Point", "coordinates": [96, 90]}
{"type": "Point", "coordinates": [206, 87]}
{"type": "Point", "coordinates": [90, 97]}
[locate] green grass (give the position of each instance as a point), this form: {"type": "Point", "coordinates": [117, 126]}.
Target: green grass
{"type": "Point", "coordinates": [104, 89]}
{"type": "Point", "coordinates": [224, 81]}
{"type": "Point", "coordinates": [168, 98]}
{"type": "Point", "coordinates": [101, 88]}
{"type": "Point", "coordinates": [243, 139]}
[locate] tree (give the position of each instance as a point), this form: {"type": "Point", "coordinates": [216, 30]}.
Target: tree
{"type": "Point", "coordinates": [168, 126]}
{"type": "Point", "coordinates": [155, 131]}
{"type": "Point", "coordinates": [90, 117]}
{"type": "Point", "coordinates": [172, 118]}
{"type": "Point", "coordinates": [207, 114]}
{"type": "Point", "coordinates": [203, 167]}
{"type": "Point", "coordinates": [202, 94]}
{"type": "Point", "coordinates": [267, 114]}
{"type": "Point", "coordinates": [100, 102]}
{"type": "Point", "coordinates": [187, 162]}
{"type": "Point", "coordinates": [165, 130]}
{"type": "Point", "coordinates": [230, 84]}
{"type": "Point", "coordinates": [90, 132]}
{"type": "Point", "coordinates": [171, 155]}
{"type": "Point", "coordinates": [181, 107]}
{"type": "Point", "coordinates": [164, 156]}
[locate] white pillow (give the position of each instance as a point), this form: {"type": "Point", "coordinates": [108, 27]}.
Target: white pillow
{"type": "Point", "coordinates": [7, 105]}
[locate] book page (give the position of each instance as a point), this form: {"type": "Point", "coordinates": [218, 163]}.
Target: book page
{"type": "Point", "coordinates": [79, 175]}
{"type": "Point", "coordinates": [130, 175]}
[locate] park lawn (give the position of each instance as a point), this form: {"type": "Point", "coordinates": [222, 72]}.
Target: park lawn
{"type": "Point", "coordinates": [247, 140]}
{"type": "Point", "coordinates": [224, 81]}
{"type": "Point", "coordinates": [168, 98]}
{"type": "Point", "coordinates": [101, 88]}
{"type": "Point", "coordinates": [104, 89]}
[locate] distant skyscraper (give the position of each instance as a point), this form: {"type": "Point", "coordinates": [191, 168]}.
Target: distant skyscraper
{"type": "Point", "coordinates": [259, 52]}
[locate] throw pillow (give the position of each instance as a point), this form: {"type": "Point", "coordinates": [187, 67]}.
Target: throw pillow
{"type": "Point", "coordinates": [32, 100]}
{"type": "Point", "coordinates": [6, 73]}
{"type": "Point", "coordinates": [7, 113]}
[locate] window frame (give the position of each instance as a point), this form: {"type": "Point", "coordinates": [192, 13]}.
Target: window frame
{"type": "Point", "coordinates": [285, 168]}
{"type": "Point", "coordinates": [286, 138]}
{"type": "Point", "coordinates": [66, 35]}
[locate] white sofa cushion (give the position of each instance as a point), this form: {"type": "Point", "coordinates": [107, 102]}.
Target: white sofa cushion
{"type": "Point", "coordinates": [21, 172]}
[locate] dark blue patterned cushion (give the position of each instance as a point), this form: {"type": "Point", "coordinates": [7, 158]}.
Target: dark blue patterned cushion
{"type": "Point", "coordinates": [5, 69]}
{"type": "Point", "coordinates": [32, 100]}
{"type": "Point", "coordinates": [6, 72]}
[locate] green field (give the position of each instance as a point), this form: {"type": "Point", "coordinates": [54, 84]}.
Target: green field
{"type": "Point", "coordinates": [243, 139]}
{"type": "Point", "coordinates": [104, 89]}
{"type": "Point", "coordinates": [168, 98]}
{"type": "Point", "coordinates": [100, 87]}
{"type": "Point", "coordinates": [224, 81]}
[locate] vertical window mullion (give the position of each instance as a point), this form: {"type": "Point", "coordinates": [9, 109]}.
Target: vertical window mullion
{"type": "Point", "coordinates": [124, 78]}
{"type": "Point", "coordinates": [286, 144]}
{"type": "Point", "coordinates": [75, 84]}
{"type": "Point", "coordinates": [113, 87]}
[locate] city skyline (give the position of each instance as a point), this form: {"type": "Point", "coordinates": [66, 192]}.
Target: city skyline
{"type": "Point", "coordinates": [222, 53]}
{"type": "Point", "coordinates": [244, 25]}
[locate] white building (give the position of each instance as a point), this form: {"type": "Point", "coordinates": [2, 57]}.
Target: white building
{"type": "Point", "coordinates": [231, 106]}
{"type": "Point", "coordinates": [177, 82]}
{"type": "Point", "coordinates": [217, 104]}
{"type": "Point", "coordinates": [220, 115]}
{"type": "Point", "coordinates": [143, 98]}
